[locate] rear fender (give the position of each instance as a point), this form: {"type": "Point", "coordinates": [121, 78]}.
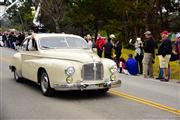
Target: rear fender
{"type": "Point", "coordinates": [16, 64]}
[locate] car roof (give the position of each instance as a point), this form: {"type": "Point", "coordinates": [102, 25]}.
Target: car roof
{"type": "Point", "coordinates": [41, 35]}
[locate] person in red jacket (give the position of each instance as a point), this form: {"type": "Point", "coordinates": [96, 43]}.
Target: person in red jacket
{"type": "Point", "coordinates": [100, 42]}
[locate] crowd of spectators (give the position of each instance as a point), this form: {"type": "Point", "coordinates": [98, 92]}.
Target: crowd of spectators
{"type": "Point", "coordinates": [11, 39]}
{"type": "Point", "coordinates": [144, 56]}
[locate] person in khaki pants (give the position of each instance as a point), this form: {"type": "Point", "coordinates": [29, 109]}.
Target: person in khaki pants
{"type": "Point", "coordinates": [164, 54]}
{"type": "Point", "coordinates": [149, 47]}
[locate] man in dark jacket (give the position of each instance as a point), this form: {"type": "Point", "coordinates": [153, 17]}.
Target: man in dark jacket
{"type": "Point", "coordinates": [108, 49]}
{"type": "Point", "coordinates": [20, 38]}
{"type": "Point", "coordinates": [10, 40]}
{"type": "Point", "coordinates": [149, 47]}
{"type": "Point", "coordinates": [164, 54]}
{"type": "Point", "coordinates": [117, 48]}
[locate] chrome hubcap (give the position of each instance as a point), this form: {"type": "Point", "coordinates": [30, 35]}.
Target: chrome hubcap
{"type": "Point", "coordinates": [44, 82]}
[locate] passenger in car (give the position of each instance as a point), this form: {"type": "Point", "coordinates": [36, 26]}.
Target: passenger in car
{"type": "Point", "coordinates": [32, 45]}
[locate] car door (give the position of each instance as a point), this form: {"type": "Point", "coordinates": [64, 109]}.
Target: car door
{"type": "Point", "coordinates": [29, 56]}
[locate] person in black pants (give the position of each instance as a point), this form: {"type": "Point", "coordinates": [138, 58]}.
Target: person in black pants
{"type": "Point", "coordinates": [108, 49]}
{"type": "Point", "coordinates": [118, 48]}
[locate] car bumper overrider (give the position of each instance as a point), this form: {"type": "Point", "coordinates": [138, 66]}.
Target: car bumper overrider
{"type": "Point", "coordinates": [85, 86]}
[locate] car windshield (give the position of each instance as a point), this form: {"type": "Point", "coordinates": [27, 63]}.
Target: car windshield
{"type": "Point", "coordinates": [63, 43]}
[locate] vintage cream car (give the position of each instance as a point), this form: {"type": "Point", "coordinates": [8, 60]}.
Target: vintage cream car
{"type": "Point", "coordinates": [63, 62]}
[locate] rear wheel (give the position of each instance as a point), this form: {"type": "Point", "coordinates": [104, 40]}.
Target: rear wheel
{"type": "Point", "coordinates": [45, 84]}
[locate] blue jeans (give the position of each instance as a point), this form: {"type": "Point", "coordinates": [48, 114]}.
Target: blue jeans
{"type": "Point", "coordinates": [161, 72]}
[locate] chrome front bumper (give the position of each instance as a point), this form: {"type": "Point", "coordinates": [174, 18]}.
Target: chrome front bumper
{"type": "Point", "coordinates": [85, 86]}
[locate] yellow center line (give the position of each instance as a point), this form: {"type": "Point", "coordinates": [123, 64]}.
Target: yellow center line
{"type": "Point", "coordinates": [146, 102]}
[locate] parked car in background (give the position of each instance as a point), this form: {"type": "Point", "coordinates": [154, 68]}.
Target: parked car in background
{"type": "Point", "coordinates": [63, 62]}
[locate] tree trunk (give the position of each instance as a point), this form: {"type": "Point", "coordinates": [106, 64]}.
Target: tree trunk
{"type": "Point", "coordinates": [167, 20]}
{"type": "Point", "coordinates": [146, 22]}
{"type": "Point", "coordinates": [161, 15]}
{"type": "Point", "coordinates": [96, 29]}
{"type": "Point", "coordinates": [57, 26]}
{"type": "Point", "coordinates": [82, 31]}
{"type": "Point", "coordinates": [107, 32]}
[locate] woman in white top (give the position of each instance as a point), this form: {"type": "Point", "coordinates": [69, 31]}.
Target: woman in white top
{"type": "Point", "coordinates": [138, 52]}
{"type": "Point", "coordinates": [90, 43]}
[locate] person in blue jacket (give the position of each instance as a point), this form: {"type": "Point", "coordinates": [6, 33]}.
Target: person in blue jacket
{"type": "Point", "coordinates": [131, 65]}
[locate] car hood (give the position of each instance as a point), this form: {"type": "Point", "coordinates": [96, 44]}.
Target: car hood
{"type": "Point", "coordinates": [79, 55]}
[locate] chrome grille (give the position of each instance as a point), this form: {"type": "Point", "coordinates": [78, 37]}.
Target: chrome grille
{"type": "Point", "coordinates": [92, 71]}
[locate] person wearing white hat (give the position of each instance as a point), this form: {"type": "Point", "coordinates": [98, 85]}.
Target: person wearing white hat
{"type": "Point", "coordinates": [178, 35]}
{"type": "Point", "coordinates": [138, 52]}
{"type": "Point", "coordinates": [112, 36]}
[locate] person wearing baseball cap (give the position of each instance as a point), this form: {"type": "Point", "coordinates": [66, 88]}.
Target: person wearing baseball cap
{"type": "Point", "coordinates": [164, 34]}
{"type": "Point", "coordinates": [112, 36]}
{"type": "Point", "coordinates": [147, 33]}
{"type": "Point", "coordinates": [178, 35]}
{"type": "Point", "coordinates": [149, 48]}
{"type": "Point", "coordinates": [164, 54]}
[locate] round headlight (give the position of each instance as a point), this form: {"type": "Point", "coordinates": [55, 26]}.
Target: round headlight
{"type": "Point", "coordinates": [70, 71]}
{"type": "Point", "coordinates": [69, 80]}
{"type": "Point", "coordinates": [113, 77]}
{"type": "Point", "coordinates": [113, 69]}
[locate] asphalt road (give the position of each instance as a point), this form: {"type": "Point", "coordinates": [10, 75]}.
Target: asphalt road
{"type": "Point", "coordinates": [24, 101]}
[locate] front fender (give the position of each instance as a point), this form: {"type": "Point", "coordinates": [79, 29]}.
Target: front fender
{"type": "Point", "coordinates": [55, 69]}
{"type": "Point", "coordinates": [107, 63]}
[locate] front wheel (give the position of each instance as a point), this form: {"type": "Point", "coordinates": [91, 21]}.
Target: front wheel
{"type": "Point", "coordinates": [16, 77]}
{"type": "Point", "coordinates": [103, 91]}
{"type": "Point", "coordinates": [45, 84]}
